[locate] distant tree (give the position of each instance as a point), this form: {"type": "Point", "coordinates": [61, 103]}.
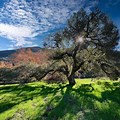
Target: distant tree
{"type": "Point", "coordinates": [86, 42]}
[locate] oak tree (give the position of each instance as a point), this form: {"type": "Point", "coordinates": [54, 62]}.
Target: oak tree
{"type": "Point", "coordinates": [86, 42]}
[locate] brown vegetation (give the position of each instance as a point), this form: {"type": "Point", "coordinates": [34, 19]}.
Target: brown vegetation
{"type": "Point", "coordinates": [28, 56]}
{"type": "Point", "coordinates": [5, 64]}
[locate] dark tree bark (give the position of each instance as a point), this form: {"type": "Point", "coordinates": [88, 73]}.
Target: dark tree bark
{"type": "Point", "coordinates": [71, 80]}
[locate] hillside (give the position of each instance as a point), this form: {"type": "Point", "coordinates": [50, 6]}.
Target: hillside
{"type": "Point", "coordinates": [87, 100]}
{"type": "Point", "coordinates": [7, 53]}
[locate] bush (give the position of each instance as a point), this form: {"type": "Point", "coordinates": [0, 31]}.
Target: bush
{"type": "Point", "coordinates": [20, 74]}
{"type": "Point", "coordinates": [7, 75]}
{"type": "Point", "coordinates": [29, 73]}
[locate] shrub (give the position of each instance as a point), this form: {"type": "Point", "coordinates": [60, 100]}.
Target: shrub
{"type": "Point", "coordinates": [20, 74]}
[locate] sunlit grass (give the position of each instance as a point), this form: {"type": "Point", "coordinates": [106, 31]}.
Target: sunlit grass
{"type": "Point", "coordinates": [87, 100]}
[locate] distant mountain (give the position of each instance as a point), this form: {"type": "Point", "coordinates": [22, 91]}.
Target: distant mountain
{"type": "Point", "coordinates": [7, 53]}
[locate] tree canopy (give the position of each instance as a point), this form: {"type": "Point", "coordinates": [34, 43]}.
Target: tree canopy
{"type": "Point", "coordinates": [86, 43]}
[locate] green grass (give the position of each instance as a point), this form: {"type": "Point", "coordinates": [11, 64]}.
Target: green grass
{"type": "Point", "coordinates": [99, 100]}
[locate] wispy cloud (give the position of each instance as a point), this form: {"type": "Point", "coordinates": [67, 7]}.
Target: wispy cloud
{"type": "Point", "coordinates": [18, 34]}
{"type": "Point", "coordinates": [21, 21]}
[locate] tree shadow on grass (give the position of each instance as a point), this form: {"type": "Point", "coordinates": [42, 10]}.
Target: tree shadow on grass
{"type": "Point", "coordinates": [16, 94]}
{"type": "Point", "coordinates": [70, 104]}
{"type": "Point", "coordinates": [80, 104]}
{"type": "Point", "coordinates": [60, 109]}
{"type": "Point", "coordinates": [113, 95]}
{"type": "Point", "coordinates": [5, 106]}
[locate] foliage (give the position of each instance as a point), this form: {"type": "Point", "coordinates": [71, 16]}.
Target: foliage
{"type": "Point", "coordinates": [20, 74]}
{"type": "Point", "coordinates": [6, 74]}
{"type": "Point", "coordinates": [86, 100]}
{"type": "Point", "coordinates": [85, 44]}
{"type": "Point", "coordinates": [5, 64]}
{"type": "Point", "coordinates": [27, 56]}
{"type": "Point", "coordinates": [29, 73]}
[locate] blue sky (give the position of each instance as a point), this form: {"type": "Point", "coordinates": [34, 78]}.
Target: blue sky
{"type": "Point", "coordinates": [26, 23]}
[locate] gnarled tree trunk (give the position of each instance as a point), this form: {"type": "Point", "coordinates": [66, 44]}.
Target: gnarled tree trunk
{"type": "Point", "coordinates": [71, 80]}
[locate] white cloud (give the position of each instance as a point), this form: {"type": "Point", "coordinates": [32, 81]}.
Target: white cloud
{"type": "Point", "coordinates": [13, 31]}
{"type": "Point", "coordinates": [21, 21]}
{"type": "Point", "coordinates": [18, 34]}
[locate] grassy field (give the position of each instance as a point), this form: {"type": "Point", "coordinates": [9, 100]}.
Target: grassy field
{"type": "Point", "coordinates": [99, 100]}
